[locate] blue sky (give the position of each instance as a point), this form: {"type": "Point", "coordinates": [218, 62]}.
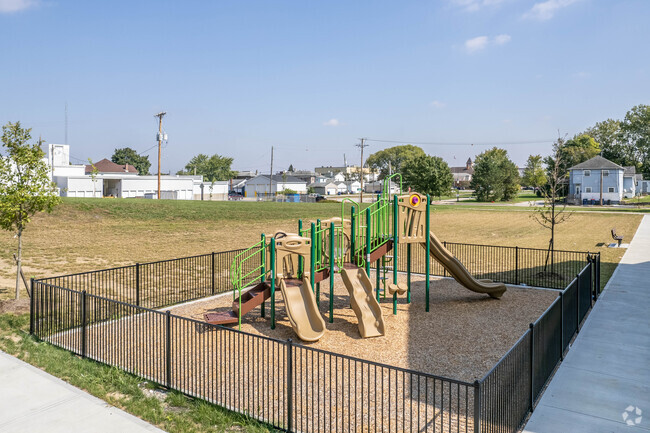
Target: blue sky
{"type": "Point", "coordinates": [311, 77]}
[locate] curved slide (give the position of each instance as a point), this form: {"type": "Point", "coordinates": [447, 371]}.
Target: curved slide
{"type": "Point", "coordinates": [302, 310]}
{"type": "Point", "coordinates": [459, 272]}
{"type": "Point", "coordinates": [363, 302]}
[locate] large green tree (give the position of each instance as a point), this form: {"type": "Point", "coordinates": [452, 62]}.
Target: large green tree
{"type": "Point", "coordinates": [391, 159]}
{"type": "Point", "coordinates": [572, 152]}
{"type": "Point", "coordinates": [213, 168]}
{"type": "Point", "coordinates": [427, 175]}
{"type": "Point", "coordinates": [635, 135]}
{"type": "Point", "coordinates": [534, 174]}
{"type": "Point", "coordinates": [127, 155]}
{"type": "Point", "coordinates": [25, 187]}
{"type": "Point", "coordinates": [496, 177]}
{"type": "Point", "coordinates": [608, 136]}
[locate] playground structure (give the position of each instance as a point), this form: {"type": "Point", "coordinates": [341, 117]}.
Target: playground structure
{"type": "Point", "coordinates": [298, 262]}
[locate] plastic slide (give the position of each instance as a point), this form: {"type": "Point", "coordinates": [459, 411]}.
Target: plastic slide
{"type": "Point", "coordinates": [363, 302]}
{"type": "Point", "coordinates": [302, 310]}
{"type": "Point", "coordinates": [459, 272]}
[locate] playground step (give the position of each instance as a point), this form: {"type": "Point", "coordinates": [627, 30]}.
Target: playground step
{"type": "Point", "coordinates": [222, 318]}
{"type": "Point", "coordinates": [381, 251]}
{"type": "Point", "coordinates": [321, 275]}
{"type": "Point", "coordinates": [252, 298]}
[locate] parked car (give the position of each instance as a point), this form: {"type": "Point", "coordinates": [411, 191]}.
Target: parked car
{"type": "Point", "coordinates": [234, 195]}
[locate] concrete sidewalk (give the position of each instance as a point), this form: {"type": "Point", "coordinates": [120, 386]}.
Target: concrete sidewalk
{"type": "Point", "coordinates": [34, 401]}
{"type": "Point", "coordinates": [603, 385]}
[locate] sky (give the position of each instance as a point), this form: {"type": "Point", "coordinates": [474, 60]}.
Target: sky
{"type": "Point", "coordinates": [311, 77]}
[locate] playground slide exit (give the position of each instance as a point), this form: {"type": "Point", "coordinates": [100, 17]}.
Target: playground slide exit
{"type": "Point", "coordinates": [459, 272]}
{"type": "Point", "coordinates": [302, 309]}
{"type": "Point", "coordinates": [363, 302]}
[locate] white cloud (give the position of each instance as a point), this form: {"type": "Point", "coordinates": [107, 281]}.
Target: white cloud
{"type": "Point", "coordinates": [332, 122]}
{"type": "Point", "coordinates": [474, 5]}
{"type": "Point", "coordinates": [481, 42]}
{"type": "Point", "coordinates": [9, 6]}
{"type": "Point", "coordinates": [502, 39]}
{"type": "Point", "coordinates": [476, 44]}
{"type": "Point", "coordinates": [438, 104]}
{"type": "Point", "coordinates": [545, 10]}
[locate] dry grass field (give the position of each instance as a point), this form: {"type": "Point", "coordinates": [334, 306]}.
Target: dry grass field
{"type": "Point", "coordinates": [85, 234]}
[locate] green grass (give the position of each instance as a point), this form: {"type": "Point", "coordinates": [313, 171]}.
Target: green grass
{"type": "Point", "coordinates": [177, 413]}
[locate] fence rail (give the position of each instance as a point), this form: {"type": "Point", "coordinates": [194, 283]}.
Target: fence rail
{"type": "Point", "coordinates": [110, 316]}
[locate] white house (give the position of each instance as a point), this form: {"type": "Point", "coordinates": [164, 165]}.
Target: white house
{"type": "Point", "coordinates": [341, 188]}
{"type": "Point", "coordinates": [262, 184]}
{"type": "Point", "coordinates": [324, 188]}
{"type": "Point", "coordinates": [353, 186]}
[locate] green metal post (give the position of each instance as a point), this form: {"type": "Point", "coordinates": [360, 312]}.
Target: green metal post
{"type": "Point", "coordinates": [428, 265]}
{"type": "Point", "coordinates": [263, 254]}
{"type": "Point", "coordinates": [301, 263]}
{"type": "Point", "coordinates": [378, 279]}
{"type": "Point", "coordinates": [319, 254]}
{"type": "Point", "coordinates": [353, 234]}
{"type": "Point", "coordinates": [312, 261]}
{"type": "Point", "coordinates": [332, 229]}
{"type": "Point", "coordinates": [395, 239]}
{"type": "Point", "coordinates": [272, 284]}
{"type": "Point", "coordinates": [367, 258]}
{"type": "Point", "coordinates": [408, 273]}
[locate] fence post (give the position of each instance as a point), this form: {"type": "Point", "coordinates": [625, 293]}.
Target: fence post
{"type": "Point", "coordinates": [289, 385]}
{"type": "Point", "coordinates": [168, 349]}
{"type": "Point", "coordinates": [83, 324]}
{"type": "Point", "coordinates": [532, 366]}
{"type": "Point", "coordinates": [32, 319]}
{"type": "Point", "coordinates": [577, 303]}
{"type": "Point", "coordinates": [561, 326]}
{"type": "Point", "coordinates": [212, 279]}
{"type": "Point", "coordinates": [137, 284]}
{"type": "Point", "coordinates": [444, 270]}
{"type": "Point", "coordinates": [477, 406]}
{"type": "Point", "coordinates": [516, 265]}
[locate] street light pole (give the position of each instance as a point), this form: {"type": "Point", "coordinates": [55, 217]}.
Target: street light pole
{"type": "Point", "coordinates": [160, 138]}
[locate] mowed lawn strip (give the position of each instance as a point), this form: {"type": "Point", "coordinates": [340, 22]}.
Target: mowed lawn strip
{"type": "Point", "coordinates": [89, 234]}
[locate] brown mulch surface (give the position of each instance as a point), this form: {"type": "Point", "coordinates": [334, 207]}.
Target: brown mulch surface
{"type": "Point", "coordinates": [462, 336]}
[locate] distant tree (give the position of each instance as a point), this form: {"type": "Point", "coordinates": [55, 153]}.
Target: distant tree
{"type": "Point", "coordinates": [290, 169]}
{"type": "Point", "coordinates": [572, 152]}
{"type": "Point", "coordinates": [392, 158]}
{"type": "Point", "coordinates": [608, 136]}
{"type": "Point", "coordinates": [635, 135]}
{"type": "Point", "coordinates": [427, 175]}
{"type": "Point", "coordinates": [93, 175]}
{"type": "Point", "coordinates": [127, 155]}
{"type": "Point", "coordinates": [496, 177]}
{"type": "Point", "coordinates": [213, 168]}
{"type": "Point", "coordinates": [25, 187]}
{"type": "Point", "coordinates": [553, 211]}
{"type": "Point", "coordinates": [534, 174]}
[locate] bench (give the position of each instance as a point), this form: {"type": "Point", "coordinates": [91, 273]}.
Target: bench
{"type": "Point", "coordinates": [617, 237]}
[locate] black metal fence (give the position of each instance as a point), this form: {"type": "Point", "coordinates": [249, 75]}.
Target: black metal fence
{"type": "Point", "coordinates": [109, 316]}
{"type": "Point", "coordinates": [510, 265]}
{"type": "Point", "coordinates": [509, 392]}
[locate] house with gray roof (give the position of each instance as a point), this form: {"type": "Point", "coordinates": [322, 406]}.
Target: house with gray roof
{"type": "Point", "coordinates": [600, 179]}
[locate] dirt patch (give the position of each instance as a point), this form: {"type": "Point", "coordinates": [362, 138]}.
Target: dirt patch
{"type": "Point", "coordinates": [13, 306]}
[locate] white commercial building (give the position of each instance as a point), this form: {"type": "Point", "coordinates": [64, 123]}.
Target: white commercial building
{"type": "Point", "coordinates": [107, 179]}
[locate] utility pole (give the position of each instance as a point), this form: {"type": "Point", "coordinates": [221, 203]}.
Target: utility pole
{"type": "Point", "coordinates": [271, 176]}
{"type": "Point", "coordinates": [361, 145]}
{"type": "Point", "coordinates": [601, 186]}
{"type": "Point", "coordinates": [66, 122]}
{"type": "Point", "coordinates": [160, 138]}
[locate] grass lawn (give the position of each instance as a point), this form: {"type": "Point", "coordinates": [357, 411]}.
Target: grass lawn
{"type": "Point", "coordinates": [87, 234]}
{"type": "Point", "coordinates": [171, 411]}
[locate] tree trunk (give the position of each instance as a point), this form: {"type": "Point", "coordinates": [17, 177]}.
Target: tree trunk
{"type": "Point", "coordinates": [19, 262]}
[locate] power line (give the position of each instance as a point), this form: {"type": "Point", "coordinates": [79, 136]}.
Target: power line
{"type": "Point", "coordinates": [468, 143]}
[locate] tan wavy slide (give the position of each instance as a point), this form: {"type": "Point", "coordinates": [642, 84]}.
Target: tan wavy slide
{"type": "Point", "coordinates": [363, 302]}
{"type": "Point", "coordinates": [302, 310]}
{"type": "Point", "coordinates": [459, 272]}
